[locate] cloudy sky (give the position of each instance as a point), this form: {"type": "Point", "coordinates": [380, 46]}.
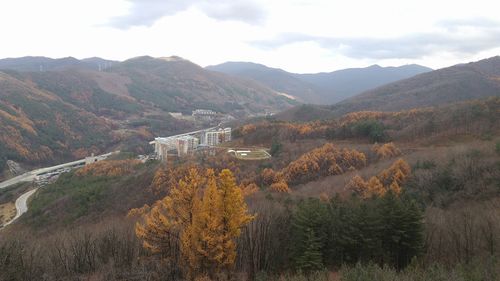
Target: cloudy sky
{"type": "Point", "coordinates": [296, 35]}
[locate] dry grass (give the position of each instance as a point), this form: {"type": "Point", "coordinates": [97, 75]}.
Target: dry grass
{"type": "Point", "coordinates": [7, 212]}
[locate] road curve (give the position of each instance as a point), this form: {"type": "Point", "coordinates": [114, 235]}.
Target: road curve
{"type": "Point", "coordinates": [21, 205]}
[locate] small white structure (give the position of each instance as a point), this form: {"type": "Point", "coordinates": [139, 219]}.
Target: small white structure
{"type": "Point", "coordinates": [204, 114]}
{"type": "Point", "coordinates": [227, 134]}
{"type": "Point", "coordinates": [176, 115]}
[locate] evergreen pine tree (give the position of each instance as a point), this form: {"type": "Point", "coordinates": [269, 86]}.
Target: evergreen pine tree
{"type": "Point", "coordinates": [413, 239]}
{"type": "Point", "coordinates": [310, 217]}
{"type": "Point", "coordinates": [311, 259]}
{"type": "Point", "coordinates": [402, 230]}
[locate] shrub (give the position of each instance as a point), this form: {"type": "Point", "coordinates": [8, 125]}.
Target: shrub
{"type": "Point", "coordinates": [372, 129]}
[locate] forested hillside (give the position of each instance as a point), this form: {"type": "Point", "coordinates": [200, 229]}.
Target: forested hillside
{"type": "Point", "coordinates": [39, 127]}
{"type": "Point", "coordinates": [69, 109]}
{"type": "Point", "coordinates": [478, 118]}
{"type": "Point", "coordinates": [176, 84]}
{"type": "Point", "coordinates": [385, 194]}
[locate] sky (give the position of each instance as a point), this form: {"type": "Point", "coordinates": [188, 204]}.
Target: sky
{"type": "Point", "coordinates": [296, 35]}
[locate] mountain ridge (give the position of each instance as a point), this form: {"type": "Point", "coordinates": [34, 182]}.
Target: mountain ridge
{"type": "Point", "coordinates": [40, 63]}
{"type": "Point", "coordinates": [461, 82]}
{"type": "Point", "coordinates": [322, 87]}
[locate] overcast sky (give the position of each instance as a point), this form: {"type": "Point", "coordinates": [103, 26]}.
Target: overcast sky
{"type": "Point", "coordinates": [296, 35]}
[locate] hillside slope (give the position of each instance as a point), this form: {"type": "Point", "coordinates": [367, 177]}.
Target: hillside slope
{"type": "Point", "coordinates": [38, 126]}
{"type": "Point", "coordinates": [170, 83]}
{"type": "Point", "coordinates": [177, 84]}
{"type": "Point", "coordinates": [53, 115]}
{"type": "Point", "coordinates": [457, 83]}
{"type": "Point", "coordinates": [320, 88]}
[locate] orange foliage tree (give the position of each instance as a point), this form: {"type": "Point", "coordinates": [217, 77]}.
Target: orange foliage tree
{"type": "Point", "coordinates": [386, 150]}
{"type": "Point", "coordinates": [164, 225]}
{"type": "Point", "coordinates": [323, 161]}
{"type": "Point", "coordinates": [247, 129]}
{"type": "Point", "coordinates": [280, 186]}
{"type": "Point", "coordinates": [268, 176]}
{"type": "Point", "coordinates": [202, 217]}
{"type": "Point", "coordinates": [165, 177]}
{"type": "Point", "coordinates": [109, 168]}
{"type": "Point", "coordinates": [249, 189]}
{"type": "Point", "coordinates": [391, 179]}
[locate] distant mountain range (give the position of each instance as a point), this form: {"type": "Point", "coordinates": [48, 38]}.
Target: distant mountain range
{"type": "Point", "coordinates": [462, 82]}
{"type": "Point", "coordinates": [320, 88]}
{"type": "Point", "coordinates": [49, 64]}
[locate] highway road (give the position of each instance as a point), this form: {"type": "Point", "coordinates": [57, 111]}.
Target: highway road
{"type": "Point", "coordinates": [21, 202]}
{"type": "Point", "coordinates": [189, 133]}
{"type": "Point", "coordinates": [26, 177]}
{"type": "Point", "coordinates": [31, 175]}
{"type": "Point", "coordinates": [21, 205]}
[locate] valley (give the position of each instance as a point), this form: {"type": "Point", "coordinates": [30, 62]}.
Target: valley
{"type": "Point", "coordinates": [249, 140]}
{"type": "Point", "coordinates": [283, 190]}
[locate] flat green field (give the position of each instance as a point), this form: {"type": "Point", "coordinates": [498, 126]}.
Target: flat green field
{"type": "Point", "coordinates": [250, 154]}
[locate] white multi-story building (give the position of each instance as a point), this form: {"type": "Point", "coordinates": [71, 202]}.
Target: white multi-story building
{"type": "Point", "coordinates": [227, 134]}
{"type": "Point", "coordinates": [212, 138]}
{"type": "Point", "coordinates": [215, 137]}
{"type": "Point", "coordinates": [186, 144]}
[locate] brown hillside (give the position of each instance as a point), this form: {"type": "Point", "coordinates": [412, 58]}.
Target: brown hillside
{"type": "Point", "coordinates": [176, 84]}
{"type": "Point", "coordinates": [48, 116]}
{"type": "Point", "coordinates": [457, 83]}
{"type": "Point", "coordinates": [38, 126]}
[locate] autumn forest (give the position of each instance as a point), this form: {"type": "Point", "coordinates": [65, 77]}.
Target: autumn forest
{"type": "Point", "coordinates": [407, 195]}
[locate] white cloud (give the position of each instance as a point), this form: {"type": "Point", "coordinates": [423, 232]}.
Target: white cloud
{"type": "Point", "coordinates": [147, 12]}
{"type": "Point", "coordinates": [329, 34]}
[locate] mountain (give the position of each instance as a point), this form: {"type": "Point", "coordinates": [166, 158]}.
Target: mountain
{"type": "Point", "coordinates": [462, 82]}
{"type": "Point", "coordinates": [49, 64]}
{"type": "Point", "coordinates": [176, 84]}
{"type": "Point", "coordinates": [320, 88]}
{"type": "Point", "coordinates": [338, 85]}
{"type": "Point", "coordinates": [54, 115]}
{"type": "Point", "coordinates": [453, 84]}
{"type": "Point", "coordinates": [275, 78]}
{"type": "Point", "coordinates": [168, 84]}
